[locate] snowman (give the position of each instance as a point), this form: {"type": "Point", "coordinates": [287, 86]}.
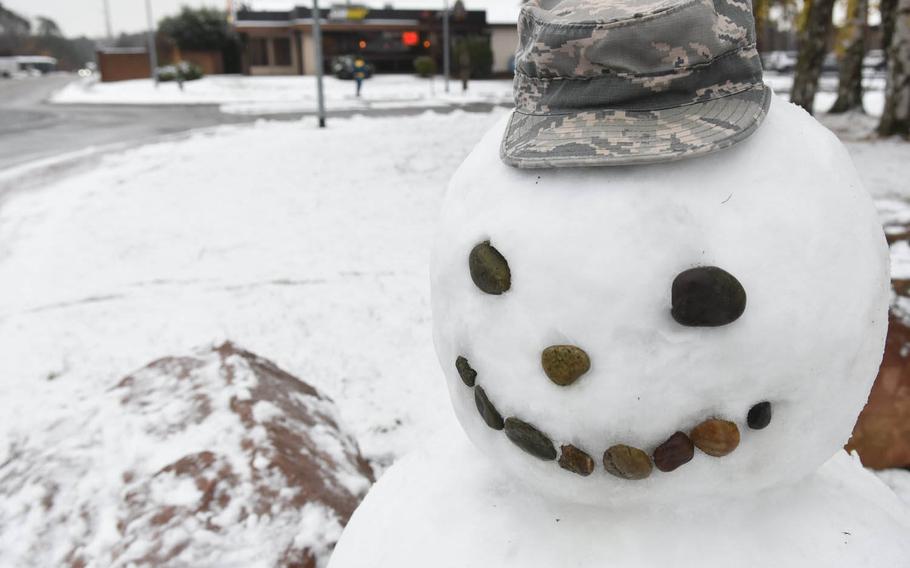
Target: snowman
{"type": "Point", "coordinates": [660, 299]}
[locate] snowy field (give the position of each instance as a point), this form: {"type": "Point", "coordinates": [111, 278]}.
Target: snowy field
{"type": "Point", "coordinates": [873, 98]}
{"type": "Point", "coordinates": [271, 95]}
{"type": "Point", "coordinates": [315, 259]}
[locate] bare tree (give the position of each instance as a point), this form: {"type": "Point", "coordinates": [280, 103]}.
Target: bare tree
{"type": "Point", "coordinates": [813, 44]}
{"type": "Point", "coordinates": [896, 116]}
{"type": "Point", "coordinates": [761, 9]}
{"type": "Point", "coordinates": [850, 82]}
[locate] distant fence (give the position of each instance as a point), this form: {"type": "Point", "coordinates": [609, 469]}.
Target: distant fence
{"type": "Point", "coordinates": [123, 64]}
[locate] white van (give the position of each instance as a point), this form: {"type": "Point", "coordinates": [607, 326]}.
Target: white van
{"type": "Point", "coordinates": [26, 65]}
{"type": "Point", "coordinates": [8, 67]}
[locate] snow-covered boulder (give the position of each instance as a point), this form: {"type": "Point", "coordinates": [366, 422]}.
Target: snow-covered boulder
{"type": "Point", "coordinates": [215, 459]}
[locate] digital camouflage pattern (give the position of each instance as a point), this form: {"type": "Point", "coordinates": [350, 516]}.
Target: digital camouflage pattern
{"type": "Point", "coordinates": [612, 82]}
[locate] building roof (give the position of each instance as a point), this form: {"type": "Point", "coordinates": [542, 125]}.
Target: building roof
{"type": "Point", "coordinates": [357, 15]}
{"type": "Point", "coordinates": [503, 13]}
{"type": "Point", "coordinates": [122, 50]}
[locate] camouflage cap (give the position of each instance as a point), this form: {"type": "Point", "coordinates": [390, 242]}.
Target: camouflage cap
{"type": "Point", "coordinates": [615, 82]}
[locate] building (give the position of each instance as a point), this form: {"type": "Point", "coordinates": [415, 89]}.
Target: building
{"type": "Point", "coordinates": [281, 43]}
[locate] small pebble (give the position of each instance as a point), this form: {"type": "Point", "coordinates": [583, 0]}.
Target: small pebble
{"type": "Point", "coordinates": [530, 439]}
{"type": "Point", "coordinates": [759, 416]}
{"type": "Point", "coordinates": [716, 438]}
{"type": "Point", "coordinates": [467, 374]}
{"type": "Point", "coordinates": [627, 462]}
{"type": "Point", "coordinates": [678, 450]}
{"type": "Point", "coordinates": [486, 409]}
{"type": "Point", "coordinates": [576, 461]}
{"type": "Point", "coordinates": [564, 364]}
{"type": "Point", "coordinates": [489, 269]}
{"type": "Point", "coordinates": [707, 296]}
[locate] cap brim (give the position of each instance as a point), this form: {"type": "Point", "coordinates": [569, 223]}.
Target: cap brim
{"type": "Point", "coordinates": [616, 137]}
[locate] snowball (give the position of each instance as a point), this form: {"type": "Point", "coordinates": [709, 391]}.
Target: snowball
{"type": "Point", "coordinates": [592, 255]}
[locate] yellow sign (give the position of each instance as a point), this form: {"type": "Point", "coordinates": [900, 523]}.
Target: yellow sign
{"type": "Point", "coordinates": [350, 13]}
{"type": "Point", "coordinates": [358, 13]}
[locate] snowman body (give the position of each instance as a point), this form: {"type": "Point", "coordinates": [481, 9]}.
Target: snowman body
{"type": "Point", "coordinates": [586, 458]}
{"type": "Point", "coordinates": [446, 506]}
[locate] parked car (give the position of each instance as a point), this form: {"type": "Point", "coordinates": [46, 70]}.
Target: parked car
{"type": "Point", "coordinates": [875, 59]}
{"type": "Point", "coordinates": [8, 67]}
{"type": "Point", "coordinates": [779, 61]}
{"type": "Point", "coordinates": [89, 70]}
{"type": "Point", "coordinates": [343, 67]}
{"type": "Point", "coordinates": [831, 64]}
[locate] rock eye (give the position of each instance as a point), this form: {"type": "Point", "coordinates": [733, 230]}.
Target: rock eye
{"type": "Point", "coordinates": [707, 296]}
{"type": "Point", "coordinates": [489, 269]}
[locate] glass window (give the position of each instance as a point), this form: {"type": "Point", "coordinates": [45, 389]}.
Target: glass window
{"type": "Point", "coordinates": [282, 47]}
{"type": "Point", "coordinates": [259, 51]}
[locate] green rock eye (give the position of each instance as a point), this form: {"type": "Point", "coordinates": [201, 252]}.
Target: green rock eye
{"type": "Point", "coordinates": [489, 269]}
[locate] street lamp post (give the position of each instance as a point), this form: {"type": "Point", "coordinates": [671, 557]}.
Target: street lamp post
{"type": "Point", "coordinates": [153, 50]}
{"type": "Point", "coordinates": [317, 39]}
{"type": "Point", "coordinates": [446, 45]}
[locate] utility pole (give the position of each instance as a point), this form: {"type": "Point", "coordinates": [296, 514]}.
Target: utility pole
{"type": "Point", "coordinates": [232, 12]}
{"type": "Point", "coordinates": [107, 20]}
{"type": "Point", "coordinates": [317, 39]}
{"type": "Point", "coordinates": [153, 50]}
{"type": "Point", "coordinates": [446, 45]}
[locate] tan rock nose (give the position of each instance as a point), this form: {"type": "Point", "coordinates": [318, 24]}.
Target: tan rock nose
{"type": "Point", "coordinates": [564, 364]}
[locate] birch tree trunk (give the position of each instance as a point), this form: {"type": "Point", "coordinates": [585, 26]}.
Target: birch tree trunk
{"type": "Point", "coordinates": [850, 82]}
{"type": "Point", "coordinates": [896, 117]}
{"type": "Point", "coordinates": [887, 8]}
{"type": "Point", "coordinates": [812, 49]}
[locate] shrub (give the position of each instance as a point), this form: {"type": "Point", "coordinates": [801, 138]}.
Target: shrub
{"type": "Point", "coordinates": [183, 70]}
{"type": "Point", "coordinates": [425, 66]}
{"type": "Point", "coordinates": [479, 54]}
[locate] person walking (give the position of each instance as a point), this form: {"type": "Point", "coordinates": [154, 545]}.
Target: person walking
{"type": "Point", "coordinates": [360, 73]}
{"type": "Point", "coordinates": [464, 64]}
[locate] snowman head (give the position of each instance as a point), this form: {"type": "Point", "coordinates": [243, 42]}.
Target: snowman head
{"type": "Point", "coordinates": [698, 329]}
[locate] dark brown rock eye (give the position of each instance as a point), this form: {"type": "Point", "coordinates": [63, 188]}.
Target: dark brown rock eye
{"type": "Point", "coordinates": [489, 269]}
{"type": "Point", "coordinates": [707, 296]}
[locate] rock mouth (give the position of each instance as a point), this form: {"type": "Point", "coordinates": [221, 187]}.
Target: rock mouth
{"type": "Point", "coordinates": [715, 437]}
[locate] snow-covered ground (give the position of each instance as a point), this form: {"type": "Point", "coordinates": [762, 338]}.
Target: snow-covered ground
{"type": "Point", "coordinates": [305, 246]}
{"type": "Point", "coordinates": [308, 247]}
{"type": "Point", "coordinates": [873, 98]}
{"type": "Point", "coordinates": [271, 95]}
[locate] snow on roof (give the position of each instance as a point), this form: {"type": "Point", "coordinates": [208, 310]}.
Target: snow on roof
{"type": "Point", "coordinates": [122, 50]}
{"type": "Point", "coordinates": [498, 14]}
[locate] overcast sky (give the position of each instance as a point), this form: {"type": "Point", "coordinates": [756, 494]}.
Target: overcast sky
{"type": "Point", "coordinates": [86, 17]}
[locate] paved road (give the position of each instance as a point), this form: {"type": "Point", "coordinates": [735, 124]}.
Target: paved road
{"type": "Point", "coordinates": [31, 129]}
